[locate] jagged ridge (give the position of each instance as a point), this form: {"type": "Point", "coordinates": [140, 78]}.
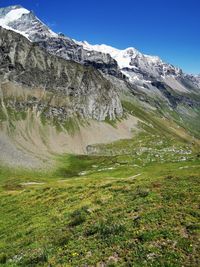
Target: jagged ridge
{"type": "Point", "coordinates": [86, 91]}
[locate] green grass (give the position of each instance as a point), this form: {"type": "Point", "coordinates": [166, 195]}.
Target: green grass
{"type": "Point", "coordinates": [3, 116]}
{"type": "Point", "coordinates": [72, 125]}
{"type": "Point", "coordinates": [113, 209]}
{"type": "Point", "coordinates": [152, 122]}
{"type": "Point", "coordinates": [136, 203]}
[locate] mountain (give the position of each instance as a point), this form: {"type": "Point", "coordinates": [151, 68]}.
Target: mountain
{"type": "Point", "coordinates": [138, 69]}
{"type": "Point", "coordinates": [53, 81]}
{"type": "Point", "coordinates": [27, 24]}
{"type": "Point", "coordinates": [132, 59]}
{"type": "Point", "coordinates": [26, 63]}
{"type": "Point", "coordinates": [99, 152]}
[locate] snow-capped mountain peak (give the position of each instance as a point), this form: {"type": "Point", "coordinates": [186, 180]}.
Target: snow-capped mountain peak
{"type": "Point", "coordinates": [136, 66]}
{"type": "Point", "coordinates": [13, 15]}
{"type": "Point", "coordinates": [10, 15]}
{"type": "Point", "coordinates": [124, 57]}
{"type": "Point", "coordinates": [23, 21]}
{"type": "Point", "coordinates": [132, 62]}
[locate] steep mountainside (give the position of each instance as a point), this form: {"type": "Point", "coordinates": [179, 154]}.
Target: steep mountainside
{"type": "Point", "coordinates": [143, 73]}
{"type": "Point", "coordinates": [48, 104]}
{"type": "Point", "coordinates": [26, 23]}
{"type": "Point", "coordinates": [54, 87]}
{"type": "Point", "coordinates": [86, 91]}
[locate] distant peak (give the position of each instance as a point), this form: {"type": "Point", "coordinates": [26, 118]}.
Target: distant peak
{"type": "Point", "coordinates": [10, 14]}
{"type": "Point", "coordinates": [130, 49]}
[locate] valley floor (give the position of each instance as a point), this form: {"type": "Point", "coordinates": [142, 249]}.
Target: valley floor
{"type": "Point", "coordinates": [138, 209]}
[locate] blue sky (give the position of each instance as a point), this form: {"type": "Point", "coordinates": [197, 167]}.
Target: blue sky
{"type": "Point", "coordinates": [167, 28]}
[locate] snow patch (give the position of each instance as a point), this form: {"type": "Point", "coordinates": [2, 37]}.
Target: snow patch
{"type": "Point", "coordinates": [16, 14]}
{"type": "Point", "coordinates": [20, 32]}
{"type": "Point", "coordinates": [123, 57]}
{"type": "Point", "coordinates": [13, 15]}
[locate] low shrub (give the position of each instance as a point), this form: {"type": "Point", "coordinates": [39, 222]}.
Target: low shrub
{"type": "Point", "coordinates": [78, 216]}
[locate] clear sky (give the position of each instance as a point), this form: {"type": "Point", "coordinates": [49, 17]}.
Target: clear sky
{"type": "Point", "coordinates": [167, 28]}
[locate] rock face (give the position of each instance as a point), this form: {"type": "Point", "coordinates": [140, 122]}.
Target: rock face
{"type": "Point", "coordinates": [140, 73]}
{"type": "Point", "coordinates": [131, 59]}
{"type": "Point", "coordinates": [144, 76]}
{"type": "Point", "coordinates": [68, 49]}
{"type": "Point", "coordinates": [141, 70]}
{"type": "Point", "coordinates": [86, 91]}
{"type": "Point", "coordinates": [52, 87]}
{"type": "Point", "coordinates": [26, 23]}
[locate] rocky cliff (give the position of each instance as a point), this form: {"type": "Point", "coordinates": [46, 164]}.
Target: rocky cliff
{"type": "Point", "coordinates": [26, 23]}
{"type": "Point", "coordinates": [84, 91]}
{"type": "Point", "coordinates": [53, 87]}
{"type": "Point", "coordinates": [145, 76]}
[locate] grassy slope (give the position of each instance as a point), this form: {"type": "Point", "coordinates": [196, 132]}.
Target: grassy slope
{"type": "Point", "coordinates": [136, 205]}
{"type": "Point", "coordinates": [114, 210]}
